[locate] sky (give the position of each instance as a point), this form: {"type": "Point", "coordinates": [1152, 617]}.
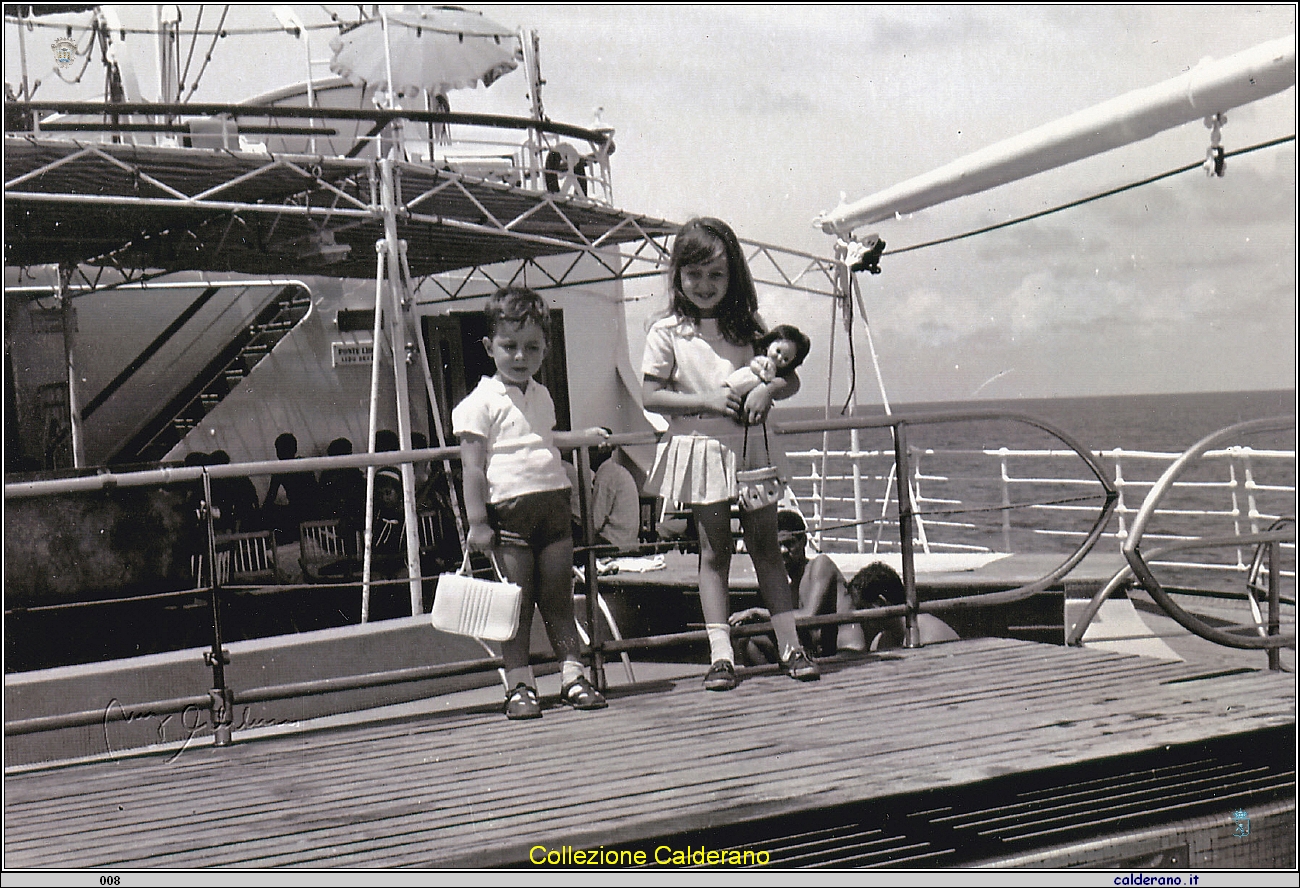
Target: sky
{"type": "Point", "coordinates": [767, 116]}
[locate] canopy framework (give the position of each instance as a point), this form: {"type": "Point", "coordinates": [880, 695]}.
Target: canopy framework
{"type": "Point", "coordinates": [142, 207]}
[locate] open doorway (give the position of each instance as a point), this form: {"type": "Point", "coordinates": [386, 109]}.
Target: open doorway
{"type": "Point", "coordinates": [457, 359]}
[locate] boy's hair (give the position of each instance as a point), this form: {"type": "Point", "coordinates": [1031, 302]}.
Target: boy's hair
{"type": "Point", "coordinates": [802, 345]}
{"type": "Point", "coordinates": [516, 306]}
{"type": "Point", "coordinates": [876, 585]}
{"type": "Point", "coordinates": [701, 240]}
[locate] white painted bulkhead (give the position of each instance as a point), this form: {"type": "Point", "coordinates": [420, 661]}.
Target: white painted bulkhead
{"type": "Point", "coordinates": [299, 388]}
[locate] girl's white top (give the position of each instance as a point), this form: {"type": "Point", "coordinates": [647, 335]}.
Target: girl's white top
{"type": "Point", "coordinates": [694, 357]}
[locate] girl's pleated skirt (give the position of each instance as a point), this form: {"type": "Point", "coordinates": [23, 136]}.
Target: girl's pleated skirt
{"type": "Point", "coordinates": [694, 470]}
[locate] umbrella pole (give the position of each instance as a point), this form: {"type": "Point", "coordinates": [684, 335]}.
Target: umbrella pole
{"type": "Point", "coordinates": [388, 60]}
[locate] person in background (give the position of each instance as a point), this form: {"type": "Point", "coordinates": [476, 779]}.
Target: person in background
{"type": "Point", "coordinates": [342, 496]}
{"type": "Point", "coordinates": [615, 502]}
{"type": "Point", "coordinates": [433, 498]}
{"type": "Point", "coordinates": [236, 497]}
{"type": "Point", "coordinates": [820, 589]}
{"type": "Point", "coordinates": [292, 496]}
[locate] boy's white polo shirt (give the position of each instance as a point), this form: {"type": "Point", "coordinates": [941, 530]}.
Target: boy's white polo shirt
{"type": "Point", "coordinates": [518, 427]}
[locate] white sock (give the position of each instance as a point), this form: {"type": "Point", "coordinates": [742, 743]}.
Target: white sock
{"type": "Point", "coordinates": [787, 636]}
{"type": "Point", "coordinates": [570, 671]}
{"type": "Point", "coordinates": [719, 642]}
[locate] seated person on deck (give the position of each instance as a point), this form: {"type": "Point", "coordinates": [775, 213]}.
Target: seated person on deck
{"type": "Point", "coordinates": [819, 588]}
{"type": "Point", "coordinates": [291, 498]}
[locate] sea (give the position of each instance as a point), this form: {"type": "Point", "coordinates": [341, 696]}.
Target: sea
{"type": "Point", "coordinates": [965, 485]}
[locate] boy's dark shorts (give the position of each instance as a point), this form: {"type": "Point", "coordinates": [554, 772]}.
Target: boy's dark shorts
{"type": "Point", "coordinates": [535, 520]}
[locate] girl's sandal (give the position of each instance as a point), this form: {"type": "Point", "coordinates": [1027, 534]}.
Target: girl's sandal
{"type": "Point", "coordinates": [580, 694]}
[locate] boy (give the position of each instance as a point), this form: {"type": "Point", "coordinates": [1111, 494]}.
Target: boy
{"type": "Point", "coordinates": [517, 495]}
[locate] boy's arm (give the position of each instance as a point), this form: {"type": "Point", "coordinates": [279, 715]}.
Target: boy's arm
{"type": "Point", "coordinates": [592, 437]}
{"type": "Point", "coordinates": [473, 455]}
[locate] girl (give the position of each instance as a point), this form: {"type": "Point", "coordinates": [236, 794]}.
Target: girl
{"type": "Point", "coordinates": [709, 332]}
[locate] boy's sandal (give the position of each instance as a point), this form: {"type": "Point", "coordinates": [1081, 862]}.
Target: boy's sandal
{"type": "Point", "coordinates": [581, 694]}
{"type": "Point", "coordinates": [522, 703]}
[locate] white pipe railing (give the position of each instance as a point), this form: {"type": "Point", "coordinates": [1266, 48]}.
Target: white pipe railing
{"type": "Point", "coordinates": [1221, 496]}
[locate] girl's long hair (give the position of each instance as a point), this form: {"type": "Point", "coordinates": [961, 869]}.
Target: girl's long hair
{"type": "Point", "coordinates": [701, 240]}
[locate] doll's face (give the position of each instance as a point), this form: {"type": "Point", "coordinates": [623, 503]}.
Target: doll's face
{"type": "Point", "coordinates": [782, 352]}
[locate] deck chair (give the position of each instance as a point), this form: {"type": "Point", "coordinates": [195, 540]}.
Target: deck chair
{"type": "Point", "coordinates": [252, 557]}
{"type": "Point", "coordinates": [199, 568]}
{"type": "Point", "coordinates": [320, 548]}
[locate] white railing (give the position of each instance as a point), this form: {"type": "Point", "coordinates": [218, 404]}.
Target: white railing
{"type": "Point", "coordinates": [1243, 490]}
{"type": "Point", "coordinates": [535, 155]}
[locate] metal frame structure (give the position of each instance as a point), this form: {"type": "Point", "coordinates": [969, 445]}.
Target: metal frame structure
{"type": "Point", "coordinates": [135, 209]}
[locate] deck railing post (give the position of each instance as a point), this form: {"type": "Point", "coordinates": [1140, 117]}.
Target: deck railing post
{"type": "Point", "coordinates": [1121, 509]}
{"type": "Point", "coordinates": [1274, 601]}
{"type": "Point", "coordinates": [1006, 502]}
{"type": "Point", "coordinates": [217, 658]}
{"type": "Point", "coordinates": [582, 457]}
{"type": "Point", "coordinates": [858, 523]}
{"type": "Point", "coordinates": [905, 517]}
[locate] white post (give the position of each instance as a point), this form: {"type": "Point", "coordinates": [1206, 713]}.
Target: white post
{"type": "Point", "coordinates": [830, 377]}
{"type": "Point", "coordinates": [69, 319]}
{"type": "Point", "coordinates": [438, 430]}
{"type": "Point", "coordinates": [400, 329]}
{"type": "Point", "coordinates": [376, 341]}
{"type": "Point", "coordinates": [533, 68]}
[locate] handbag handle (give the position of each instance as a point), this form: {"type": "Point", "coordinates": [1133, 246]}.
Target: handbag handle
{"type": "Point", "coordinates": [492, 555]}
{"type": "Point", "coordinates": [744, 446]}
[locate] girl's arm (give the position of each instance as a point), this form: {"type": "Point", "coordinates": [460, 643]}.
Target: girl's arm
{"type": "Point", "coordinates": [759, 401]}
{"type": "Point", "coordinates": [657, 397]}
{"type": "Point", "coordinates": [473, 455]}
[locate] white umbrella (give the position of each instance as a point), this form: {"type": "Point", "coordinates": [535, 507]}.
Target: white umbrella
{"type": "Point", "coordinates": [434, 48]}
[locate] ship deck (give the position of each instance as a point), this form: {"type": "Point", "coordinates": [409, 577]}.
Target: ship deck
{"type": "Point", "coordinates": [958, 735]}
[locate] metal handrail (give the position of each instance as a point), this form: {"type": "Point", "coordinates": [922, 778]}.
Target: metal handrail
{"type": "Point", "coordinates": [1138, 563]}
{"type": "Point", "coordinates": [598, 138]}
{"type": "Point", "coordinates": [1116, 459]}
{"type": "Point", "coordinates": [220, 699]}
{"type": "Point", "coordinates": [898, 424]}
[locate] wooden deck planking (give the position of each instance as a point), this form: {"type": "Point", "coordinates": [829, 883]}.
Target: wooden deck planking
{"type": "Point", "coordinates": [354, 800]}
{"type": "Point", "coordinates": [471, 789]}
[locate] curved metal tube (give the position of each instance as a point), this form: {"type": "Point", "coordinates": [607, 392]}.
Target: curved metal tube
{"type": "Point", "coordinates": [1138, 564]}
{"type": "Point", "coordinates": [895, 421]}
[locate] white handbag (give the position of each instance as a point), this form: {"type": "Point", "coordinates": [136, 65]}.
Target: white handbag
{"type": "Point", "coordinates": [485, 609]}
{"type": "Point", "coordinates": [761, 487]}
